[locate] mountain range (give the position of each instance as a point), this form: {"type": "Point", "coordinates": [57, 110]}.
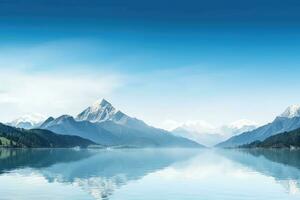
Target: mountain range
{"type": "Point", "coordinates": [209, 135]}
{"type": "Point", "coordinates": [105, 125]}
{"type": "Point", "coordinates": [27, 121]}
{"type": "Point", "coordinates": [289, 120]}
{"type": "Point", "coordinates": [36, 138]}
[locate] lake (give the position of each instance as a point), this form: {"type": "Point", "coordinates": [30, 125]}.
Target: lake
{"type": "Point", "coordinates": [149, 174]}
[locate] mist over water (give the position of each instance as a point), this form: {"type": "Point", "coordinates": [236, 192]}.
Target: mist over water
{"type": "Point", "coordinates": [129, 174]}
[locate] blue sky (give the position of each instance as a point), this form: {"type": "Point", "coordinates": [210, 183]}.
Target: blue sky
{"type": "Point", "coordinates": [217, 61]}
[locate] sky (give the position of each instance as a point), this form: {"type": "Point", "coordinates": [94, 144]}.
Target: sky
{"type": "Point", "coordinates": [174, 61]}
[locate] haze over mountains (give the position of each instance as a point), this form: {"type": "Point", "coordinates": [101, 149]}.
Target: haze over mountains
{"type": "Point", "coordinates": [28, 121]}
{"type": "Point", "coordinates": [102, 123]}
{"type": "Point", "coordinates": [209, 135]}
{"type": "Point", "coordinates": [105, 125]}
{"type": "Point", "coordinates": [289, 120]}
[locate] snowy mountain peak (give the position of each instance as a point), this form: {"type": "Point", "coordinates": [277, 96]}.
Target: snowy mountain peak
{"type": "Point", "coordinates": [209, 135]}
{"type": "Point", "coordinates": [239, 124]}
{"type": "Point", "coordinates": [100, 104]}
{"type": "Point", "coordinates": [100, 111]}
{"type": "Point", "coordinates": [291, 111]}
{"type": "Point", "coordinates": [198, 126]}
{"type": "Point", "coordinates": [27, 121]}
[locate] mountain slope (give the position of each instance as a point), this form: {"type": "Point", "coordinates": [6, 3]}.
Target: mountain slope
{"type": "Point", "coordinates": [146, 136]}
{"type": "Point", "coordinates": [282, 140]}
{"type": "Point", "coordinates": [103, 124]}
{"type": "Point", "coordinates": [287, 121]}
{"type": "Point", "coordinates": [37, 138]}
{"type": "Point", "coordinates": [68, 125]}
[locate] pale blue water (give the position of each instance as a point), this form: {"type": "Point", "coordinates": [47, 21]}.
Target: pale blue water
{"type": "Point", "coordinates": [145, 174]}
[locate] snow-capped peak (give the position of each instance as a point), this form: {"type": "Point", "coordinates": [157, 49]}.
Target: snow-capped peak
{"type": "Point", "coordinates": [198, 126]}
{"type": "Point", "coordinates": [27, 121]}
{"type": "Point", "coordinates": [31, 118]}
{"type": "Point", "coordinates": [291, 111]}
{"type": "Point", "coordinates": [100, 104]}
{"type": "Point", "coordinates": [239, 124]}
{"type": "Point", "coordinates": [100, 111]}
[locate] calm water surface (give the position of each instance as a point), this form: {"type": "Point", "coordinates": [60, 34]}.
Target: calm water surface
{"type": "Point", "coordinates": [145, 174]}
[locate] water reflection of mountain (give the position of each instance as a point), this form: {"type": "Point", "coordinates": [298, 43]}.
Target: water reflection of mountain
{"type": "Point", "coordinates": [282, 165]}
{"type": "Point", "coordinates": [11, 159]}
{"type": "Point", "coordinates": [102, 173]}
{"type": "Point", "coordinates": [97, 172]}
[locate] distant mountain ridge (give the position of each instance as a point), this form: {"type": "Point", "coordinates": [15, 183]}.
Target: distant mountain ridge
{"type": "Point", "coordinates": [37, 138]}
{"type": "Point", "coordinates": [207, 139]}
{"type": "Point", "coordinates": [238, 127]}
{"type": "Point", "coordinates": [104, 124]}
{"type": "Point", "coordinates": [289, 120]}
{"type": "Point", "coordinates": [209, 135]}
{"type": "Point", "coordinates": [28, 121]}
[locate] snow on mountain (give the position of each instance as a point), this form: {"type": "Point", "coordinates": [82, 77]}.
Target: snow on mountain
{"type": "Point", "coordinates": [239, 126]}
{"type": "Point", "coordinates": [104, 124]}
{"type": "Point", "coordinates": [199, 126]}
{"type": "Point", "coordinates": [289, 120]}
{"type": "Point", "coordinates": [291, 111]}
{"type": "Point", "coordinates": [27, 121]}
{"type": "Point", "coordinates": [209, 135]}
{"type": "Point", "coordinates": [100, 111]}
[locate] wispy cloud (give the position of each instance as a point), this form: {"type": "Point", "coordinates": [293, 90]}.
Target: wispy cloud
{"type": "Point", "coordinates": [52, 93]}
{"type": "Point", "coordinates": [53, 77]}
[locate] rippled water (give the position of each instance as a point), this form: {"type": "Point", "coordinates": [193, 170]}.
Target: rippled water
{"type": "Point", "coordinates": [148, 174]}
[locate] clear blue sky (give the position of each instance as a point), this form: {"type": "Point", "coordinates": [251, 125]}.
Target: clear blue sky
{"type": "Point", "coordinates": [215, 60]}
